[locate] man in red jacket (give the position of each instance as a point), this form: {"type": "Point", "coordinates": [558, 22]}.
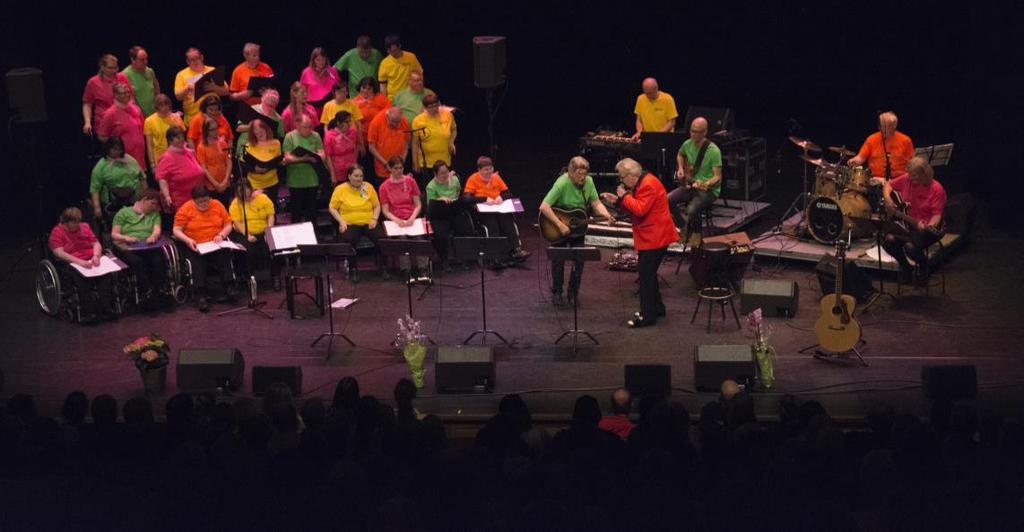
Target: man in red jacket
{"type": "Point", "coordinates": [643, 196]}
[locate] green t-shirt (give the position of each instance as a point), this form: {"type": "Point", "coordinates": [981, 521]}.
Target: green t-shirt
{"type": "Point", "coordinates": [712, 159]}
{"type": "Point", "coordinates": [452, 190]}
{"type": "Point", "coordinates": [358, 68]}
{"type": "Point", "coordinates": [109, 174]}
{"type": "Point", "coordinates": [566, 195]}
{"type": "Point", "coordinates": [302, 175]}
{"type": "Point", "coordinates": [134, 224]}
{"type": "Point", "coordinates": [142, 86]}
{"type": "Point", "coordinates": [410, 102]}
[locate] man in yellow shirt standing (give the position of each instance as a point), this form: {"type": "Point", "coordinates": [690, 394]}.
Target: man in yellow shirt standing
{"type": "Point", "coordinates": [185, 84]}
{"type": "Point", "coordinates": [655, 110]}
{"type": "Point", "coordinates": [396, 67]}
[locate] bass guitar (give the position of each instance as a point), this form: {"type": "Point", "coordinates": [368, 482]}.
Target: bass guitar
{"type": "Point", "coordinates": [837, 330]}
{"type": "Point", "coordinates": [576, 219]}
{"type": "Point", "coordinates": [907, 222]}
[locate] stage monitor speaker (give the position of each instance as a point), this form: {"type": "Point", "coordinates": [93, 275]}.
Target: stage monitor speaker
{"type": "Point", "coordinates": [210, 370]}
{"type": "Point", "coordinates": [488, 61]}
{"type": "Point", "coordinates": [774, 298]}
{"type": "Point", "coordinates": [855, 280]}
{"type": "Point", "coordinates": [712, 364]}
{"type": "Point", "coordinates": [264, 376]}
{"type": "Point", "coordinates": [464, 368]}
{"type": "Point", "coordinates": [648, 380]}
{"type": "Point", "coordinates": [26, 96]}
{"type": "Point", "coordinates": [719, 118]}
{"type": "Point", "coordinates": [949, 382]}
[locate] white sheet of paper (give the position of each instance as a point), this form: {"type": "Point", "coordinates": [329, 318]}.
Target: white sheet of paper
{"type": "Point", "coordinates": [210, 247]}
{"type": "Point", "coordinates": [107, 265]}
{"type": "Point", "coordinates": [504, 207]}
{"type": "Point", "coordinates": [344, 302]}
{"type": "Point", "coordinates": [872, 253]}
{"type": "Point", "coordinates": [291, 236]}
{"type": "Point", "coordinates": [417, 228]}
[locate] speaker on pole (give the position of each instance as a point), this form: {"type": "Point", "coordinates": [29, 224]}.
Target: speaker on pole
{"type": "Point", "coordinates": [25, 95]}
{"type": "Point", "coordinates": [488, 61]}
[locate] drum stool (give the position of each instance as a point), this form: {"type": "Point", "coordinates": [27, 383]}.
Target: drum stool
{"type": "Point", "coordinates": [717, 287]}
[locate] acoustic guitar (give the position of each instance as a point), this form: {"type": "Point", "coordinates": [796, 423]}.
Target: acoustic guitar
{"type": "Point", "coordinates": [837, 330]}
{"type": "Point", "coordinates": [576, 219]}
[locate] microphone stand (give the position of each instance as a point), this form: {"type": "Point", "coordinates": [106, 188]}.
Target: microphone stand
{"type": "Point", "coordinates": [879, 218]}
{"type": "Point", "coordinates": [253, 304]}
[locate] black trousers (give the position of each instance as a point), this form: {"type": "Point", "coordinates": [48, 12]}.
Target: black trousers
{"type": "Point", "coordinates": [457, 221]}
{"type": "Point", "coordinates": [95, 294]}
{"type": "Point", "coordinates": [221, 258]}
{"type": "Point", "coordinates": [558, 269]}
{"type": "Point", "coordinates": [695, 200]}
{"type": "Point", "coordinates": [501, 224]}
{"type": "Point", "coordinates": [302, 204]}
{"type": "Point", "coordinates": [649, 260]}
{"type": "Point", "coordinates": [915, 246]}
{"type": "Point", "coordinates": [354, 233]}
{"type": "Point", "coordinates": [147, 265]}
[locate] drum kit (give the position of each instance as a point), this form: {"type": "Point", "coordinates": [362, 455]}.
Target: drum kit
{"type": "Point", "coordinates": [840, 196]}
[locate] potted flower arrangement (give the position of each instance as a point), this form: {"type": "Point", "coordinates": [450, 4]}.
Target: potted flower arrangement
{"type": "Point", "coordinates": [410, 338]}
{"type": "Point", "coordinates": [763, 352]}
{"type": "Point", "coordinates": [150, 355]}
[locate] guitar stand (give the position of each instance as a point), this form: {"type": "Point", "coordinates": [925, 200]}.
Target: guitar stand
{"type": "Point", "coordinates": [823, 355]}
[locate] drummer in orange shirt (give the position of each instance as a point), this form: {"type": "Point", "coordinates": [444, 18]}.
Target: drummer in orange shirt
{"type": "Point", "coordinates": [898, 146]}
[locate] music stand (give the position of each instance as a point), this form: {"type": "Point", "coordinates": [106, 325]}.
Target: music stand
{"type": "Point", "coordinates": [409, 248]}
{"type": "Point", "coordinates": [875, 225]}
{"type": "Point", "coordinates": [937, 155]}
{"type": "Point", "coordinates": [655, 145]}
{"type": "Point", "coordinates": [482, 248]}
{"type": "Point", "coordinates": [329, 251]}
{"type": "Point", "coordinates": [585, 254]}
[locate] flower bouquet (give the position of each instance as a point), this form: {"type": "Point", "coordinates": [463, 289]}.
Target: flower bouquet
{"type": "Point", "coordinates": [763, 352]}
{"type": "Point", "coordinates": [150, 355]}
{"type": "Point", "coordinates": [410, 338]}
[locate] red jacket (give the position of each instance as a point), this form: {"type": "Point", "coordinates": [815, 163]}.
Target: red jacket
{"type": "Point", "coordinates": [653, 227]}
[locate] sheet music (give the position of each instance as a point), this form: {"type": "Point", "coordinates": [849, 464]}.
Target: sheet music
{"type": "Point", "coordinates": [872, 253]}
{"type": "Point", "coordinates": [290, 236]}
{"type": "Point", "coordinates": [209, 247]}
{"type": "Point", "coordinates": [344, 302]}
{"type": "Point", "coordinates": [107, 265]}
{"type": "Point", "coordinates": [507, 206]}
{"type": "Point", "coordinates": [418, 228]}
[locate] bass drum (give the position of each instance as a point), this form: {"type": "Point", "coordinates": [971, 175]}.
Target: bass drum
{"type": "Point", "coordinates": [828, 219]}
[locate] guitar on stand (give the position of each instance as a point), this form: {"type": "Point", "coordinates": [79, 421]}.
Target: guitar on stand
{"type": "Point", "coordinates": [837, 330]}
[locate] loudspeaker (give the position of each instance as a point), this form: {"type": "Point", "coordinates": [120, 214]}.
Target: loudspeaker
{"type": "Point", "coordinates": [855, 281]}
{"type": "Point", "coordinates": [264, 376]}
{"type": "Point", "coordinates": [26, 96]}
{"type": "Point", "coordinates": [464, 368]}
{"type": "Point", "coordinates": [648, 380]}
{"type": "Point", "coordinates": [712, 364]}
{"type": "Point", "coordinates": [488, 61]}
{"type": "Point", "coordinates": [207, 370]}
{"type": "Point", "coordinates": [719, 118]}
{"type": "Point", "coordinates": [774, 298]}
{"type": "Point", "coordinates": [949, 382]}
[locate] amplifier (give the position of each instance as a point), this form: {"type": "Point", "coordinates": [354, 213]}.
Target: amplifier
{"type": "Point", "coordinates": [744, 169]}
{"type": "Point", "coordinates": [712, 364]}
{"type": "Point", "coordinates": [774, 298]}
{"type": "Point", "coordinates": [464, 368]}
{"type": "Point", "coordinates": [210, 370]}
{"type": "Point", "coordinates": [741, 253]}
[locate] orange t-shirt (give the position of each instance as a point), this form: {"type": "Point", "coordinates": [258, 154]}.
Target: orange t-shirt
{"type": "Point", "coordinates": [215, 158]}
{"type": "Point", "coordinates": [201, 226]}
{"type": "Point", "coordinates": [900, 147]}
{"type": "Point", "coordinates": [240, 79]}
{"type": "Point", "coordinates": [195, 129]}
{"type": "Point", "coordinates": [493, 188]}
{"type": "Point", "coordinates": [389, 142]}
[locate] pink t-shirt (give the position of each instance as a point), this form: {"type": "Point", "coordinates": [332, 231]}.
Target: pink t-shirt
{"type": "Point", "coordinates": [182, 172]}
{"type": "Point", "coordinates": [100, 93]}
{"type": "Point", "coordinates": [77, 244]}
{"type": "Point", "coordinates": [319, 87]}
{"type": "Point", "coordinates": [341, 148]}
{"type": "Point", "coordinates": [398, 196]}
{"type": "Point", "coordinates": [289, 120]}
{"type": "Point", "coordinates": [125, 122]}
{"type": "Point", "coordinates": [925, 200]}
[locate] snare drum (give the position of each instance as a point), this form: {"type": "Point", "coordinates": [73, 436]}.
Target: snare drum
{"type": "Point", "coordinates": [825, 177]}
{"type": "Point", "coordinates": [828, 219]}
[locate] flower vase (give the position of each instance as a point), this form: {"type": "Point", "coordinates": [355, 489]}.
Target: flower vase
{"type": "Point", "coordinates": [154, 381]}
{"type": "Point", "coordinates": [415, 353]}
{"type": "Point", "coordinates": [765, 366]}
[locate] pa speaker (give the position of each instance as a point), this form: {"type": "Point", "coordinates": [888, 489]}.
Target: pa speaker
{"type": "Point", "coordinates": [855, 281]}
{"type": "Point", "coordinates": [464, 368]}
{"type": "Point", "coordinates": [264, 376]}
{"type": "Point", "coordinates": [719, 118]}
{"type": "Point", "coordinates": [210, 370]}
{"type": "Point", "coordinates": [949, 382]}
{"type": "Point", "coordinates": [774, 298]}
{"type": "Point", "coordinates": [712, 364]}
{"type": "Point", "coordinates": [648, 380]}
{"type": "Point", "coordinates": [26, 96]}
{"type": "Point", "coordinates": [488, 61]}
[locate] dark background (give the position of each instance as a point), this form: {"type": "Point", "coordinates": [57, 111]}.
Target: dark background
{"type": "Point", "coordinates": [824, 70]}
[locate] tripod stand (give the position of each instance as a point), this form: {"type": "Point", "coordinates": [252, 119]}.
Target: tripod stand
{"type": "Point", "coordinates": [482, 249]}
{"type": "Point", "coordinates": [800, 202]}
{"type": "Point", "coordinates": [584, 254]}
{"type": "Point", "coordinates": [329, 251]}
{"type": "Point", "coordinates": [252, 304]}
{"type": "Point", "coordinates": [243, 195]}
{"type": "Point", "coordinates": [409, 248]}
{"type": "Point", "coordinates": [876, 223]}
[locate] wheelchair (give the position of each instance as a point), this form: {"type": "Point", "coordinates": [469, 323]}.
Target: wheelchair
{"type": "Point", "coordinates": [180, 273]}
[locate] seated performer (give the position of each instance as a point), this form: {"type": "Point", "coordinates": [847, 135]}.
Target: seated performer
{"type": "Point", "coordinates": [116, 181]}
{"type": "Point", "coordinates": [655, 110]}
{"type": "Point", "coordinates": [72, 242]}
{"type": "Point", "coordinates": [202, 220]}
{"type": "Point", "coordinates": [699, 171]}
{"type": "Point", "coordinates": [355, 206]}
{"type": "Point", "coordinates": [572, 190]}
{"type": "Point", "coordinates": [643, 195]}
{"type": "Point", "coordinates": [250, 228]}
{"type": "Point", "coordinates": [136, 225]}
{"type": "Point", "coordinates": [486, 186]}
{"type": "Point", "coordinates": [886, 152]}
{"type": "Point", "coordinates": [446, 210]}
{"type": "Point", "coordinates": [400, 201]}
{"type": "Point", "coordinates": [927, 200]}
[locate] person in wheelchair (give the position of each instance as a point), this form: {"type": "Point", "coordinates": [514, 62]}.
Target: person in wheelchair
{"type": "Point", "coordinates": [250, 227]}
{"type": "Point", "coordinates": [117, 181]}
{"type": "Point", "coordinates": [198, 221]}
{"type": "Point", "coordinates": [486, 186]}
{"type": "Point", "coordinates": [73, 242]}
{"type": "Point", "coordinates": [446, 210]}
{"type": "Point", "coordinates": [136, 232]}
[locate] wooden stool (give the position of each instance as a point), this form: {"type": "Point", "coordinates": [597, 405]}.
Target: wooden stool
{"type": "Point", "coordinates": [717, 287]}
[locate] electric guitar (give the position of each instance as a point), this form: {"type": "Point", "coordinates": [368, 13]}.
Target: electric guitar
{"type": "Point", "coordinates": [576, 219]}
{"type": "Point", "coordinates": [837, 330]}
{"type": "Point", "coordinates": [907, 222]}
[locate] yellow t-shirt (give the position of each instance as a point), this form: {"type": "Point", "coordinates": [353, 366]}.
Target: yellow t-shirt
{"type": "Point", "coordinates": [264, 152]}
{"type": "Point", "coordinates": [354, 205]}
{"type": "Point", "coordinates": [256, 213]}
{"type": "Point", "coordinates": [436, 135]}
{"type": "Point", "coordinates": [189, 104]}
{"type": "Point", "coordinates": [654, 115]}
{"type": "Point", "coordinates": [155, 129]}
{"type": "Point", "coordinates": [395, 72]}
{"type": "Point", "coordinates": [331, 108]}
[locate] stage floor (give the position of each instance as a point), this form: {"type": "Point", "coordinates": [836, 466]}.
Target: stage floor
{"type": "Point", "coordinates": [975, 323]}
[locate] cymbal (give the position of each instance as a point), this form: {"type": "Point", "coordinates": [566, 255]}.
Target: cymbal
{"type": "Point", "coordinates": [816, 161]}
{"type": "Point", "coordinates": [841, 150]}
{"type": "Point", "coordinates": [804, 144]}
